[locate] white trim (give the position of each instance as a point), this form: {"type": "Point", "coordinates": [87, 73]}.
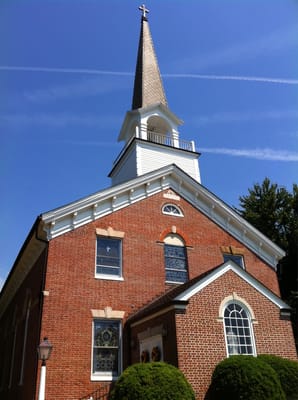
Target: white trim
{"type": "Point", "coordinates": [230, 266]}
{"type": "Point", "coordinates": [81, 212]}
{"type": "Point", "coordinates": [179, 214]}
{"type": "Point", "coordinates": [109, 277]}
{"type": "Point", "coordinates": [249, 316]}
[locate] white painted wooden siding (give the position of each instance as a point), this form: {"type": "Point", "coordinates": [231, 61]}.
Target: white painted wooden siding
{"type": "Point", "coordinates": [143, 157]}
{"type": "Point", "coordinates": [151, 157]}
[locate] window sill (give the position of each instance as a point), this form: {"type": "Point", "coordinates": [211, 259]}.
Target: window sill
{"type": "Point", "coordinates": [103, 378]}
{"type": "Point", "coordinates": [109, 277]}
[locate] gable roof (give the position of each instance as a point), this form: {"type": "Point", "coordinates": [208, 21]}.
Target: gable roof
{"type": "Point", "coordinates": [66, 218]}
{"type": "Point", "coordinates": [57, 222]}
{"type": "Point", "coordinates": [179, 296]}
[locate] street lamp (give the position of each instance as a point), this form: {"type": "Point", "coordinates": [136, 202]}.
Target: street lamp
{"type": "Point", "coordinates": [44, 352]}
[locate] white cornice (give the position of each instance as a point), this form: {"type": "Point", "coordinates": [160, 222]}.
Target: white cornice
{"type": "Point", "coordinates": [81, 212]}
{"type": "Point", "coordinates": [231, 266]}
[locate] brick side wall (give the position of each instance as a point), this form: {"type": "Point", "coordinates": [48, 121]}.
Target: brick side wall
{"type": "Point", "coordinates": [26, 305]}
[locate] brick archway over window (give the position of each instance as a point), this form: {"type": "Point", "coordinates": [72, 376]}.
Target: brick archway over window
{"type": "Point", "coordinates": [176, 231]}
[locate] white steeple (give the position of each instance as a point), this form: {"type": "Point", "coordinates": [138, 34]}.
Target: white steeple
{"type": "Point", "coordinates": [150, 129]}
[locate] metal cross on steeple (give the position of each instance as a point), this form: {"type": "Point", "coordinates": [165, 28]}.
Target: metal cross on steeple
{"type": "Point", "coordinates": [144, 10]}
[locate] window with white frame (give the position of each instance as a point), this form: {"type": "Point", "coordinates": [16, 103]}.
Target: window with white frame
{"type": "Point", "coordinates": [109, 257]}
{"type": "Point", "coordinates": [172, 209]}
{"type": "Point", "coordinates": [238, 330]}
{"type": "Point", "coordinates": [106, 357]}
{"type": "Point", "coordinates": [176, 267]}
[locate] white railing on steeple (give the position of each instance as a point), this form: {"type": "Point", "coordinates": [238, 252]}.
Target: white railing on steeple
{"type": "Point", "coordinates": [160, 138]}
{"type": "Point", "coordinates": [167, 139]}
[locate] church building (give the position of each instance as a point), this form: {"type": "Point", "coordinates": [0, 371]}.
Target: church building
{"type": "Point", "coordinates": [154, 267]}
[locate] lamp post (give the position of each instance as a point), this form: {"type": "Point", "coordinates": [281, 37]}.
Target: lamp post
{"type": "Point", "coordinates": [44, 352]}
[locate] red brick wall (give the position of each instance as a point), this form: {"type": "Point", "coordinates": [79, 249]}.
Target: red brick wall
{"type": "Point", "coordinates": [201, 342]}
{"type": "Point", "coordinates": [73, 290]}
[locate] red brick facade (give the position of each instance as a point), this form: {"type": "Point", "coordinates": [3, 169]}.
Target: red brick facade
{"type": "Point", "coordinates": [192, 339]}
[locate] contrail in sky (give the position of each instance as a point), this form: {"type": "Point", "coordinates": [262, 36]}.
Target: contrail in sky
{"type": "Point", "coordinates": [121, 73]}
{"type": "Point", "coordinates": [64, 70]}
{"type": "Point", "coordinates": [258, 154]}
{"type": "Point", "coordinates": [235, 78]}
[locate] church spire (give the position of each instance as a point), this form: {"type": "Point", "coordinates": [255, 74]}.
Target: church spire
{"type": "Point", "coordinates": [148, 87]}
{"type": "Point", "coordinates": [150, 129]}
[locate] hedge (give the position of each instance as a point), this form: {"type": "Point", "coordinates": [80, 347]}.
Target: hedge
{"type": "Point", "coordinates": [246, 378]}
{"type": "Point", "coordinates": [152, 381]}
{"type": "Point", "coordinates": [287, 371]}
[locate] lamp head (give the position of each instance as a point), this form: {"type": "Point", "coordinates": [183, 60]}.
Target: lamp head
{"type": "Point", "coordinates": [44, 350]}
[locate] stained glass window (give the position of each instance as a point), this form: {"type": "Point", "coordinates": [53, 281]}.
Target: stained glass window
{"type": "Point", "coordinates": [238, 330]}
{"type": "Point", "coordinates": [175, 263]}
{"type": "Point", "coordinates": [106, 347]}
{"type": "Point", "coordinates": [108, 260]}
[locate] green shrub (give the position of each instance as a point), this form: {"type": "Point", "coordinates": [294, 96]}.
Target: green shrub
{"type": "Point", "coordinates": [152, 381]}
{"type": "Point", "coordinates": [246, 378]}
{"type": "Point", "coordinates": [287, 372]}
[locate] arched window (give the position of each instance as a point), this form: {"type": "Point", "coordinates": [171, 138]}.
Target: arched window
{"type": "Point", "coordinates": [175, 259]}
{"type": "Point", "coordinates": [238, 330]}
{"type": "Point", "coordinates": [172, 209]}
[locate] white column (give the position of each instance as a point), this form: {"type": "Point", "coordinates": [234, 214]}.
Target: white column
{"type": "Point", "coordinates": [175, 137]}
{"type": "Point", "coordinates": [42, 383]}
{"type": "Point", "coordinates": [137, 132]}
{"type": "Point", "coordinates": [143, 130]}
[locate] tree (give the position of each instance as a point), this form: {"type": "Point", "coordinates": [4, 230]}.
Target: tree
{"type": "Point", "coordinates": [274, 211]}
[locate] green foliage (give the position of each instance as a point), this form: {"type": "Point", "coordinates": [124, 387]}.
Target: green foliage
{"type": "Point", "coordinates": [270, 209]}
{"type": "Point", "coordinates": [246, 378]}
{"type": "Point", "coordinates": [274, 211]}
{"type": "Point", "coordinates": [287, 371]}
{"type": "Point", "coordinates": [152, 381]}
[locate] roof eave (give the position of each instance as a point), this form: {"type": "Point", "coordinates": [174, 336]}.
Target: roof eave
{"type": "Point", "coordinates": [116, 197]}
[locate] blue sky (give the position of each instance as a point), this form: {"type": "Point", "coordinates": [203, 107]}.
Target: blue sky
{"type": "Point", "coordinates": [230, 72]}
